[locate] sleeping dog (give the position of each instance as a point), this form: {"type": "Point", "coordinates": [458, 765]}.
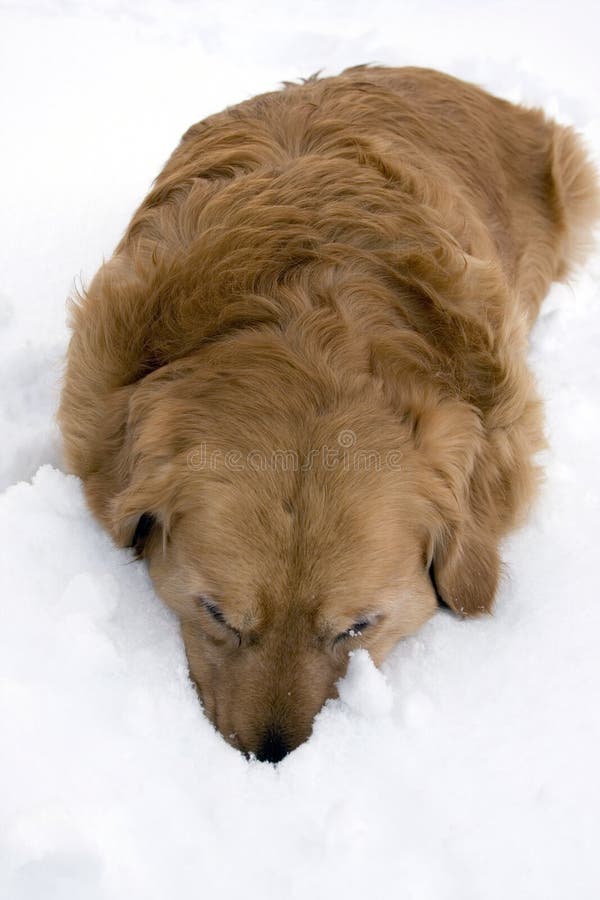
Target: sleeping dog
{"type": "Point", "coordinates": [299, 388]}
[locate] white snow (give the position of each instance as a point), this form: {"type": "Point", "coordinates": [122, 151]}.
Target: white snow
{"type": "Point", "coordinates": [468, 767]}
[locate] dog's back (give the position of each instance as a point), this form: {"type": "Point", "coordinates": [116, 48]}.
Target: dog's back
{"type": "Point", "coordinates": [445, 141]}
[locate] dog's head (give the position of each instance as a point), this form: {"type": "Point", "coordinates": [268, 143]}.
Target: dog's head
{"type": "Point", "coordinates": [288, 519]}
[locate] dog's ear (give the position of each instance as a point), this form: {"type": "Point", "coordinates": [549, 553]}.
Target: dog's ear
{"type": "Point", "coordinates": [466, 569]}
{"type": "Point", "coordinates": [465, 564]}
{"type": "Point", "coordinates": [131, 488]}
{"type": "Point", "coordinates": [146, 525]}
{"type": "Point", "coordinates": [145, 507]}
{"type": "Point", "coordinates": [132, 525]}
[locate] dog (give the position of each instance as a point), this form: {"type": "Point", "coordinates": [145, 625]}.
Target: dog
{"type": "Point", "coordinates": [299, 389]}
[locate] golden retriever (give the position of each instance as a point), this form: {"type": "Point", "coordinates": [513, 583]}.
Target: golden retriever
{"type": "Point", "coordinates": [299, 387]}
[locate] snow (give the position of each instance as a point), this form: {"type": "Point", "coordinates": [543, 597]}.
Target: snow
{"type": "Point", "coordinates": [467, 767]}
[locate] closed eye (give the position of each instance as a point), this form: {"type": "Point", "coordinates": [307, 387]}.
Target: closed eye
{"type": "Point", "coordinates": [357, 628]}
{"type": "Point", "coordinates": [215, 611]}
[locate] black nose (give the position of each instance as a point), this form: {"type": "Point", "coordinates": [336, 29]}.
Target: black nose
{"type": "Point", "coordinates": [274, 747]}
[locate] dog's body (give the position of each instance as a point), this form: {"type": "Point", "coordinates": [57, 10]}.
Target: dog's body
{"type": "Point", "coordinates": [299, 386]}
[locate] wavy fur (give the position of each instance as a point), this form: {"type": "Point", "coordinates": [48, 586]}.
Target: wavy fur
{"type": "Point", "coordinates": [365, 252]}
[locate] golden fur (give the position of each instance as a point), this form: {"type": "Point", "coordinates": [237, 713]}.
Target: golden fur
{"type": "Point", "coordinates": [299, 386]}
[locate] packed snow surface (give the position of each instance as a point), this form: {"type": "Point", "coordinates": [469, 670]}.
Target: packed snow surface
{"type": "Point", "coordinates": [468, 767]}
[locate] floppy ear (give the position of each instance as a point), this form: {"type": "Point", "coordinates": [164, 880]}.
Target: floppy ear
{"type": "Point", "coordinates": [133, 478]}
{"type": "Point", "coordinates": [466, 569]}
{"type": "Point", "coordinates": [145, 526]}
{"type": "Point", "coordinates": [144, 507]}
{"type": "Point", "coordinates": [465, 564]}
